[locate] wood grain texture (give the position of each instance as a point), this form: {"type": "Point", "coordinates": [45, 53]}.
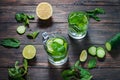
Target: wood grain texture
{"type": "Point", "coordinates": [60, 13]}
{"type": "Point", "coordinates": [55, 74]}
{"type": "Point", "coordinates": [39, 67]}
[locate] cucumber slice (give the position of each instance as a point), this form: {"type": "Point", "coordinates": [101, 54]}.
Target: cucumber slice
{"type": "Point", "coordinates": [92, 50]}
{"type": "Point", "coordinates": [21, 29]}
{"type": "Point", "coordinates": [100, 52]}
{"type": "Point", "coordinates": [58, 40]}
{"type": "Point", "coordinates": [108, 46]}
{"type": "Point", "coordinates": [113, 42]}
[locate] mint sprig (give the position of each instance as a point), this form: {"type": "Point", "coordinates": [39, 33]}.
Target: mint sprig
{"type": "Point", "coordinates": [23, 18]}
{"type": "Point", "coordinates": [76, 72]}
{"type": "Point", "coordinates": [33, 35]}
{"type": "Point", "coordinates": [18, 72]}
{"type": "Point", "coordinates": [93, 13]}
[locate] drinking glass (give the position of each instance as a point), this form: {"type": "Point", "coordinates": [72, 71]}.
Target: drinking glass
{"type": "Point", "coordinates": [78, 25]}
{"type": "Point", "coordinates": [56, 47]}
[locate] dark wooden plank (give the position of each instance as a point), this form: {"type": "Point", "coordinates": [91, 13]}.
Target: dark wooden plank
{"type": "Point", "coordinates": [60, 13]}
{"type": "Point", "coordinates": [55, 74]}
{"type": "Point", "coordinates": [54, 2]}
{"type": "Point", "coordinates": [39, 67]}
{"type": "Point", "coordinates": [97, 33]}
{"type": "Point", "coordinates": [8, 56]}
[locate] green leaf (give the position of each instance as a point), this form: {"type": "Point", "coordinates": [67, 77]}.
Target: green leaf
{"type": "Point", "coordinates": [25, 64]}
{"type": "Point", "coordinates": [66, 74]}
{"type": "Point", "coordinates": [76, 73]}
{"type": "Point", "coordinates": [33, 35]}
{"type": "Point", "coordinates": [26, 22]}
{"type": "Point", "coordinates": [23, 18]}
{"type": "Point", "coordinates": [77, 64]}
{"type": "Point", "coordinates": [93, 13]}
{"type": "Point", "coordinates": [10, 42]}
{"type": "Point", "coordinates": [92, 63]}
{"type": "Point", "coordinates": [31, 17]}
{"type": "Point", "coordinates": [17, 72]}
{"type": "Point", "coordinates": [58, 47]}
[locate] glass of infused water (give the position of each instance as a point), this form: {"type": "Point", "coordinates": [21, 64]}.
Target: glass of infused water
{"type": "Point", "coordinates": [56, 47]}
{"type": "Point", "coordinates": [78, 25]}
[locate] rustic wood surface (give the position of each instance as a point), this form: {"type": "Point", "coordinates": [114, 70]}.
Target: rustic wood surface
{"type": "Point", "coordinates": [39, 67]}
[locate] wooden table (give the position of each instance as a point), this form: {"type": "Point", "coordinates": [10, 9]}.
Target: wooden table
{"type": "Point", "coordinates": [40, 68]}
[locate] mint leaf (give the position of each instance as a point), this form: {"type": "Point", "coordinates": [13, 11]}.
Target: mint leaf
{"type": "Point", "coordinates": [10, 42]}
{"type": "Point", "coordinates": [18, 72]}
{"type": "Point", "coordinates": [93, 13]}
{"type": "Point", "coordinates": [58, 47]}
{"type": "Point", "coordinates": [23, 18]}
{"type": "Point", "coordinates": [31, 17]}
{"type": "Point", "coordinates": [92, 63]}
{"type": "Point", "coordinates": [76, 72]}
{"type": "Point", "coordinates": [66, 74]}
{"type": "Point", "coordinates": [33, 35]}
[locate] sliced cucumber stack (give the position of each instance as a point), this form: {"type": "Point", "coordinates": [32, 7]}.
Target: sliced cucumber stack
{"type": "Point", "coordinates": [98, 51]}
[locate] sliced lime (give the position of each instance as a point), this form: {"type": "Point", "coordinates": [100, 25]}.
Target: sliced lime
{"type": "Point", "coordinates": [83, 56]}
{"type": "Point", "coordinates": [29, 52]}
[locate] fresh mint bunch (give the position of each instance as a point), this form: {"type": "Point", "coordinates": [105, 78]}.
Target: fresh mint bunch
{"type": "Point", "coordinates": [76, 72]}
{"type": "Point", "coordinates": [93, 13]}
{"type": "Point", "coordinates": [18, 72]}
{"type": "Point", "coordinates": [23, 18]}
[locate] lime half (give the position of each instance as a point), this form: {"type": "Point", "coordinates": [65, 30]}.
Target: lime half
{"type": "Point", "coordinates": [29, 52]}
{"type": "Point", "coordinates": [83, 56]}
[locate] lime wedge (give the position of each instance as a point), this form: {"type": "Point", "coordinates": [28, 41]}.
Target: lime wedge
{"type": "Point", "coordinates": [29, 52]}
{"type": "Point", "coordinates": [83, 56]}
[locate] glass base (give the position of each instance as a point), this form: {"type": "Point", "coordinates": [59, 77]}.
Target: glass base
{"type": "Point", "coordinates": [61, 62]}
{"type": "Point", "coordinates": [77, 36]}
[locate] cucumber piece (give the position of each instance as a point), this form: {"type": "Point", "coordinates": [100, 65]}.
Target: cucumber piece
{"type": "Point", "coordinates": [58, 40]}
{"type": "Point", "coordinates": [113, 42]}
{"type": "Point", "coordinates": [21, 29]}
{"type": "Point", "coordinates": [100, 52]}
{"type": "Point", "coordinates": [92, 50]}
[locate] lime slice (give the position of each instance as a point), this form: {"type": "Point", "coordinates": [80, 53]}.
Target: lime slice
{"type": "Point", "coordinates": [44, 10]}
{"type": "Point", "coordinates": [29, 52]}
{"type": "Point", "coordinates": [21, 29]}
{"type": "Point", "coordinates": [83, 56]}
{"type": "Point", "coordinates": [58, 40]}
{"type": "Point", "coordinates": [48, 44]}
